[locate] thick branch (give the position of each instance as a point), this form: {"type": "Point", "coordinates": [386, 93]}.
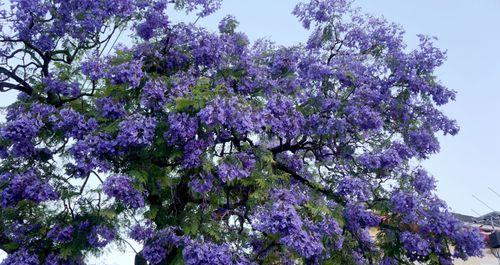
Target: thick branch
{"type": "Point", "coordinates": [23, 85]}
{"type": "Point", "coordinates": [315, 186]}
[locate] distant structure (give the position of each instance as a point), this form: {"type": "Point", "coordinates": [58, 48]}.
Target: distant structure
{"type": "Point", "coordinates": [489, 225]}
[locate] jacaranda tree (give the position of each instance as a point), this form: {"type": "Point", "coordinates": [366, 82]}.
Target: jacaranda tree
{"type": "Point", "coordinates": [206, 148]}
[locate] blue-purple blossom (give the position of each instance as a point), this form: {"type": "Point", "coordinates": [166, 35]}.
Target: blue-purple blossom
{"type": "Point", "coordinates": [121, 188]}
{"type": "Point", "coordinates": [414, 245]}
{"type": "Point", "coordinates": [25, 186]}
{"type": "Point", "coordinates": [110, 108]}
{"type": "Point", "coordinates": [142, 232]}
{"type": "Point", "coordinates": [182, 128]}
{"type": "Point", "coordinates": [54, 85]}
{"type": "Point", "coordinates": [61, 234]}
{"type": "Point", "coordinates": [239, 168]}
{"type": "Point", "coordinates": [100, 236]}
{"type": "Point", "coordinates": [93, 68]}
{"type": "Point", "coordinates": [198, 253]}
{"type": "Point", "coordinates": [74, 124]}
{"type": "Point", "coordinates": [127, 73]}
{"type": "Point", "coordinates": [21, 257]}
{"type": "Point", "coordinates": [136, 131]}
{"type": "Point", "coordinates": [153, 95]}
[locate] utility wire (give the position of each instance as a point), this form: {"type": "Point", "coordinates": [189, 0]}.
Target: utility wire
{"type": "Point", "coordinates": [479, 200]}
{"type": "Point", "coordinates": [496, 193]}
{"type": "Point", "coordinates": [477, 214]}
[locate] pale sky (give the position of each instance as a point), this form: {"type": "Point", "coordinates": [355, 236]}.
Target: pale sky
{"type": "Point", "coordinates": [469, 163]}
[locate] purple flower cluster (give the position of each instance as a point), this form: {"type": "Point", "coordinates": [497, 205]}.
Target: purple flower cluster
{"type": "Point", "coordinates": [281, 115]}
{"type": "Point", "coordinates": [136, 131]}
{"type": "Point", "coordinates": [73, 123]}
{"type": "Point", "coordinates": [303, 236]}
{"type": "Point", "coordinates": [182, 128]}
{"type": "Point", "coordinates": [21, 257]}
{"type": "Point", "coordinates": [196, 253]}
{"type": "Point", "coordinates": [358, 217]}
{"type": "Point", "coordinates": [25, 186]}
{"type": "Point", "coordinates": [155, 250]}
{"type": "Point", "coordinates": [61, 234]}
{"type": "Point", "coordinates": [93, 68]}
{"type": "Point", "coordinates": [240, 168]}
{"type": "Point", "coordinates": [55, 259]}
{"type": "Point", "coordinates": [91, 154]}
{"type": "Point", "coordinates": [21, 132]}
{"type": "Point", "coordinates": [193, 151]}
{"type": "Point", "coordinates": [423, 142]}
{"type": "Point", "coordinates": [110, 108]}
{"type": "Point", "coordinates": [155, 19]}
{"type": "Point", "coordinates": [142, 232]}
{"type": "Point", "coordinates": [100, 236]}
{"type": "Point", "coordinates": [126, 73]}
{"type": "Point", "coordinates": [153, 95]}
{"type": "Point", "coordinates": [354, 188]}
{"type": "Point", "coordinates": [422, 182]}
{"type": "Point", "coordinates": [415, 245]}
{"type": "Point", "coordinates": [121, 188]}
{"type": "Point", "coordinates": [230, 113]}
{"type": "Point", "coordinates": [54, 85]}
{"type": "Point", "coordinates": [202, 184]}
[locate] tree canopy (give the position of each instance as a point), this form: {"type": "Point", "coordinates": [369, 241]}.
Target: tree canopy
{"type": "Point", "coordinates": [207, 148]}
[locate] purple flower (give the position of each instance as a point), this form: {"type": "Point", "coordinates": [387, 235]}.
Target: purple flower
{"type": "Point", "coordinates": [423, 142]}
{"type": "Point", "coordinates": [93, 68]}
{"type": "Point", "coordinates": [121, 188]}
{"type": "Point", "coordinates": [414, 245]}
{"type": "Point", "coordinates": [142, 232]}
{"type": "Point", "coordinates": [155, 250]}
{"type": "Point", "coordinates": [126, 73]}
{"type": "Point", "coordinates": [100, 236]}
{"type": "Point", "coordinates": [193, 151]}
{"type": "Point", "coordinates": [61, 234]}
{"type": "Point", "coordinates": [74, 124]}
{"type": "Point", "coordinates": [54, 85]}
{"type": "Point", "coordinates": [110, 108]}
{"type": "Point", "coordinates": [354, 188]}
{"type": "Point", "coordinates": [25, 186]}
{"type": "Point", "coordinates": [136, 131]}
{"type": "Point", "coordinates": [422, 182]}
{"type": "Point", "coordinates": [202, 184]}
{"type": "Point", "coordinates": [230, 113]}
{"type": "Point", "coordinates": [283, 118]}
{"type": "Point", "coordinates": [357, 217]}
{"type": "Point", "coordinates": [155, 19]}
{"type": "Point", "coordinates": [21, 257]}
{"type": "Point", "coordinates": [468, 243]}
{"type": "Point", "coordinates": [153, 95]}
{"type": "Point", "coordinates": [197, 253]}
{"type": "Point", "coordinates": [239, 168]}
{"type": "Point", "coordinates": [182, 128]}
{"type": "Point", "coordinates": [306, 245]}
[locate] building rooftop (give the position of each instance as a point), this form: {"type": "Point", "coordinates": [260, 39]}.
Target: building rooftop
{"type": "Point", "coordinates": [490, 219]}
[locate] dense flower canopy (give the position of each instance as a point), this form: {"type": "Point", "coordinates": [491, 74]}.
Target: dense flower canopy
{"type": "Point", "coordinates": [206, 148]}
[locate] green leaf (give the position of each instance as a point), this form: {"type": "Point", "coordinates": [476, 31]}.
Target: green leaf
{"type": "Point", "coordinates": [10, 246]}
{"type": "Point", "coordinates": [178, 259]}
{"type": "Point", "coordinates": [184, 103]}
